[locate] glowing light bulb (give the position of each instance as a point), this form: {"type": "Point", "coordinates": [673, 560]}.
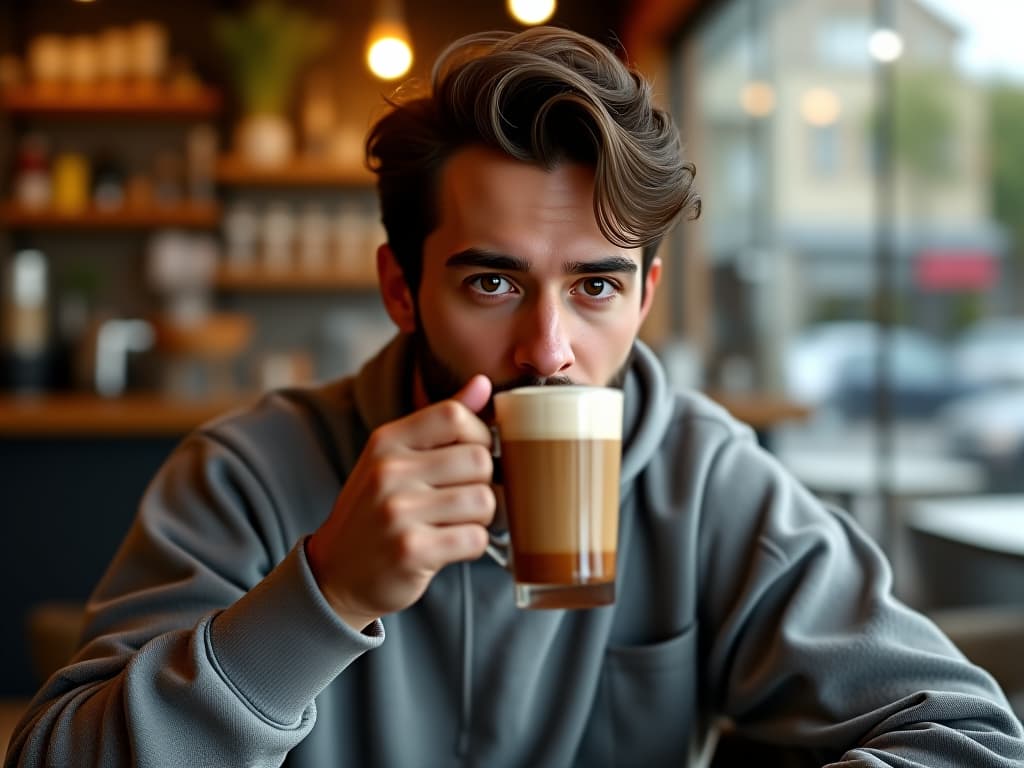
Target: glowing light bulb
{"type": "Point", "coordinates": [757, 98]}
{"type": "Point", "coordinates": [885, 45]}
{"type": "Point", "coordinates": [820, 106]}
{"type": "Point", "coordinates": [389, 54]}
{"type": "Point", "coordinates": [531, 11]}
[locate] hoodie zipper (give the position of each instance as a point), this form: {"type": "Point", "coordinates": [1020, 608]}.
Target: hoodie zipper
{"type": "Point", "coordinates": [466, 710]}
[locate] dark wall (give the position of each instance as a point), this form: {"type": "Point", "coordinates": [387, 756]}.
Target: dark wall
{"type": "Point", "coordinates": [66, 505]}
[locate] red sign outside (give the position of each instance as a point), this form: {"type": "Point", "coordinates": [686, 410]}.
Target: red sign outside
{"type": "Point", "coordinates": [955, 270]}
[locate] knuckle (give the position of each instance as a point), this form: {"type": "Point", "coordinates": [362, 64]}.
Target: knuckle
{"type": "Point", "coordinates": [377, 440]}
{"type": "Point", "coordinates": [406, 547]}
{"type": "Point", "coordinates": [482, 461]}
{"type": "Point", "coordinates": [483, 498]}
{"type": "Point", "coordinates": [378, 478]}
{"type": "Point", "coordinates": [392, 510]}
{"type": "Point", "coordinates": [476, 539]}
{"type": "Point", "coordinates": [384, 470]}
{"type": "Point", "coordinates": [452, 411]}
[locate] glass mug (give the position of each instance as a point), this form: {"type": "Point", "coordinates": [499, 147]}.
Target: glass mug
{"type": "Point", "coordinates": [560, 449]}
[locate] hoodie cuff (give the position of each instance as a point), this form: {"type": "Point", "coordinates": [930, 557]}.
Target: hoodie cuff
{"type": "Point", "coordinates": [282, 643]}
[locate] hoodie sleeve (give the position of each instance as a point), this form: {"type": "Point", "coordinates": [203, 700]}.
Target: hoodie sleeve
{"type": "Point", "coordinates": [807, 647]}
{"type": "Point", "coordinates": [205, 642]}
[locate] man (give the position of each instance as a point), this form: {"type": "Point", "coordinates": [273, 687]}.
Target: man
{"type": "Point", "coordinates": [308, 581]}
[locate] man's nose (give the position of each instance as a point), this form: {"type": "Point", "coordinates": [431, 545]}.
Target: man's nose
{"type": "Point", "coordinates": [544, 347]}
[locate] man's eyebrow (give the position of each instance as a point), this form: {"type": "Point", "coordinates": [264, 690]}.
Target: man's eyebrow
{"type": "Point", "coordinates": [609, 264]}
{"type": "Point", "coordinates": [475, 257]}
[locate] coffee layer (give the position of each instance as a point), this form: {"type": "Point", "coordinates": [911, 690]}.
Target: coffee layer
{"type": "Point", "coordinates": [564, 567]}
{"type": "Point", "coordinates": [562, 495]}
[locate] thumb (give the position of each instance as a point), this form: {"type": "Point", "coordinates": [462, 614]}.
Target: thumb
{"type": "Point", "coordinates": [474, 393]}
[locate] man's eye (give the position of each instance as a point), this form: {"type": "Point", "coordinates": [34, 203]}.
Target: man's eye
{"type": "Point", "coordinates": [597, 287]}
{"type": "Point", "coordinates": [491, 284]}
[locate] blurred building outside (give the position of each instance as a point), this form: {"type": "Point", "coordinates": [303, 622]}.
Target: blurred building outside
{"type": "Point", "coordinates": [780, 103]}
{"type": "Point", "coordinates": [789, 173]}
{"type": "Point", "coordinates": [787, 109]}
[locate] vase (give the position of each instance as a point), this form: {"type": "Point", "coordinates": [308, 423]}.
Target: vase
{"type": "Point", "coordinates": [265, 139]}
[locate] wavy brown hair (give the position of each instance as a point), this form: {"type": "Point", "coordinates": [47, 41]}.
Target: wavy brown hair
{"type": "Point", "coordinates": [544, 95]}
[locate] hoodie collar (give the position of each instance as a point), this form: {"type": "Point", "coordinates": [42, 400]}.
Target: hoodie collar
{"type": "Point", "coordinates": [647, 408]}
{"type": "Point", "coordinates": [383, 386]}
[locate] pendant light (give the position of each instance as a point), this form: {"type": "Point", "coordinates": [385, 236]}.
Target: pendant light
{"type": "Point", "coordinates": [531, 12]}
{"type": "Point", "coordinates": [388, 50]}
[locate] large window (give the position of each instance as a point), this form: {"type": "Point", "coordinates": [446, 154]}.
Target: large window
{"type": "Point", "coordinates": [864, 236]}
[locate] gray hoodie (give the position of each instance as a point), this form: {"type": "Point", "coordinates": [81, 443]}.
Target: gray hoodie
{"type": "Point", "coordinates": [740, 596]}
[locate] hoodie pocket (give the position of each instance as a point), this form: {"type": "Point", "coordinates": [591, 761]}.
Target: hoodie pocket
{"type": "Point", "coordinates": [644, 713]}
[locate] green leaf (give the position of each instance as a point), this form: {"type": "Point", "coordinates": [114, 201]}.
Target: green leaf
{"type": "Point", "coordinates": [266, 48]}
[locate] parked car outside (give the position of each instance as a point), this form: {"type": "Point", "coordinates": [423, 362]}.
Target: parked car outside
{"type": "Point", "coordinates": [833, 365]}
{"type": "Point", "coordinates": [991, 352]}
{"type": "Point", "coordinates": [988, 427]}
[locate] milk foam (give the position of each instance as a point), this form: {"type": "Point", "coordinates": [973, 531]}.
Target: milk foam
{"type": "Point", "coordinates": [559, 413]}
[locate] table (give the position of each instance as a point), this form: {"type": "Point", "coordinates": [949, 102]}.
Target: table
{"type": "Point", "coordinates": [968, 551]}
{"type": "Point", "coordinates": [854, 480]}
{"type": "Point", "coordinates": [762, 411]}
{"type": "Point", "coordinates": [852, 475]}
{"type": "Point", "coordinates": [994, 523]}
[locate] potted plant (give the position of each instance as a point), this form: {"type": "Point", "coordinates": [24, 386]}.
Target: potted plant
{"type": "Point", "coordinates": [266, 47]}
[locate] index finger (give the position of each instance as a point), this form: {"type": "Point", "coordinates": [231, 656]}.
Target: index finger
{"type": "Point", "coordinates": [447, 422]}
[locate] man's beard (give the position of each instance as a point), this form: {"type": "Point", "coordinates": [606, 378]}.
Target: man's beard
{"type": "Point", "coordinates": [440, 382]}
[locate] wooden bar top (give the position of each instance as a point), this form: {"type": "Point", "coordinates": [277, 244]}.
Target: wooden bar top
{"type": "Point", "coordinates": [759, 410]}
{"type": "Point", "coordinates": [152, 415]}
{"type": "Point", "coordinates": [85, 415]}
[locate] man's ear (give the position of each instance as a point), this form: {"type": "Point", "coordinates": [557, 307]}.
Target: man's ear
{"type": "Point", "coordinates": [650, 284]}
{"type": "Point", "coordinates": [394, 291]}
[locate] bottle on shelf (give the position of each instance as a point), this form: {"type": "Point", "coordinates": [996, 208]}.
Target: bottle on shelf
{"type": "Point", "coordinates": [168, 178]}
{"type": "Point", "coordinates": [70, 183]}
{"type": "Point", "coordinates": [350, 236]}
{"type": "Point", "coordinates": [108, 183]}
{"type": "Point", "coordinates": [32, 185]}
{"type": "Point", "coordinates": [314, 239]}
{"type": "Point", "coordinates": [278, 237]}
{"type": "Point", "coordinates": [27, 345]}
{"type": "Point", "coordinates": [114, 53]}
{"type": "Point", "coordinates": [241, 234]}
{"type": "Point", "coordinates": [201, 163]}
{"type": "Point", "coordinates": [83, 61]}
{"type": "Point", "coordinates": [47, 61]}
{"type": "Point", "coordinates": [148, 53]}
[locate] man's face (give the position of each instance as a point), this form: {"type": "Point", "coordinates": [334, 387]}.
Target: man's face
{"type": "Point", "coordinates": [518, 282]}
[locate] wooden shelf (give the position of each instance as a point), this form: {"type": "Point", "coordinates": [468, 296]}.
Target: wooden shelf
{"type": "Point", "coordinates": [189, 216]}
{"type": "Point", "coordinates": [263, 280]}
{"type": "Point", "coordinates": [110, 101]}
{"type": "Point", "coordinates": [85, 415]}
{"type": "Point", "coordinates": [298, 173]}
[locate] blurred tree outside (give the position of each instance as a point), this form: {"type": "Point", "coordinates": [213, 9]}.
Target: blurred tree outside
{"type": "Point", "coordinates": [1006, 147]}
{"type": "Point", "coordinates": [925, 129]}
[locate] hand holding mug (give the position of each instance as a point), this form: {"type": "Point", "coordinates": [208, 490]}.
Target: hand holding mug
{"type": "Point", "coordinates": [418, 499]}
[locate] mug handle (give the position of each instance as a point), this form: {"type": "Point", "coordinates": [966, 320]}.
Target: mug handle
{"type": "Point", "coordinates": [498, 548]}
{"type": "Point", "coordinates": [498, 543]}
